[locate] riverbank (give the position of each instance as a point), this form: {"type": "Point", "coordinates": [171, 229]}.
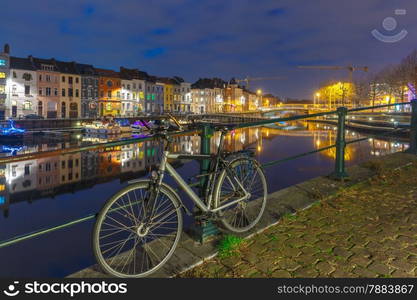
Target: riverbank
{"type": "Point", "coordinates": [281, 204]}
{"type": "Point", "coordinates": [367, 229]}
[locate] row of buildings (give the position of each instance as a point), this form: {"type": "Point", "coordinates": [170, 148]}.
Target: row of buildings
{"type": "Point", "coordinates": [52, 88]}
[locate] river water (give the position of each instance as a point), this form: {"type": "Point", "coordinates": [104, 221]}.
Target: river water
{"type": "Point", "coordinates": [54, 189]}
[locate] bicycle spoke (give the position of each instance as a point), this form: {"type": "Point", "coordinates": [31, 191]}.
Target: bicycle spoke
{"type": "Point", "coordinates": [128, 245]}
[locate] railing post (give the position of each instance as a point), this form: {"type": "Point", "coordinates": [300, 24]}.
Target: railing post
{"type": "Point", "coordinates": [413, 128]}
{"type": "Point", "coordinates": [339, 170]}
{"type": "Point", "coordinates": [204, 229]}
{"type": "Point", "coordinates": [205, 135]}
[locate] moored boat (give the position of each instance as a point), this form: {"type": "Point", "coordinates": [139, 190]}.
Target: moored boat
{"type": "Point", "coordinates": [10, 132]}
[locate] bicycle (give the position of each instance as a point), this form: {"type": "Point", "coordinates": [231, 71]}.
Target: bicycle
{"type": "Point", "coordinates": [138, 228]}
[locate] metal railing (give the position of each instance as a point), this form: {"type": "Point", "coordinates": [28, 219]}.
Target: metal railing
{"type": "Point", "coordinates": [207, 132]}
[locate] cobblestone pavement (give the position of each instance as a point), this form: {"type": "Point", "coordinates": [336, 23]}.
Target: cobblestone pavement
{"type": "Point", "coordinates": [367, 230]}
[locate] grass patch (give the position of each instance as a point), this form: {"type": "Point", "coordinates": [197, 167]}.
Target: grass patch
{"type": "Point", "coordinates": [290, 217]}
{"type": "Point", "coordinates": [228, 246]}
{"type": "Point", "coordinates": [272, 237]}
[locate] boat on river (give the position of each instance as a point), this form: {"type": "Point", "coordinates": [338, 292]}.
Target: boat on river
{"type": "Point", "coordinates": [10, 132]}
{"type": "Point", "coordinates": [100, 127]}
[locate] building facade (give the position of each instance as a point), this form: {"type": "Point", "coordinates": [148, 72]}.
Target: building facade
{"type": "Point", "coordinates": [128, 104]}
{"type": "Point", "coordinates": [70, 90]}
{"type": "Point", "coordinates": [168, 90]}
{"type": "Point", "coordinates": [208, 95]}
{"type": "Point", "coordinates": [185, 98]}
{"type": "Point", "coordinates": [48, 77]}
{"type": "Point", "coordinates": [154, 101]}
{"type": "Point", "coordinates": [4, 74]}
{"type": "Point", "coordinates": [22, 88]}
{"type": "Point", "coordinates": [109, 89]}
{"type": "Point", "coordinates": [89, 90]}
{"type": "Point", "coordinates": [134, 87]}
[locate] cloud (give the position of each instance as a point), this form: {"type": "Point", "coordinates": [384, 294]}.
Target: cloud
{"type": "Point", "coordinates": [211, 37]}
{"type": "Point", "coordinates": [154, 52]}
{"type": "Point", "coordinates": [276, 12]}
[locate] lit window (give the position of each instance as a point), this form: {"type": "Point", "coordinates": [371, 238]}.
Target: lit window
{"type": "Point", "coordinates": [27, 105]}
{"type": "Point", "coordinates": [2, 62]}
{"type": "Point", "coordinates": [2, 75]}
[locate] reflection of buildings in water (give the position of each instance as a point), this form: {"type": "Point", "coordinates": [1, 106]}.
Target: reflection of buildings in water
{"type": "Point", "coordinates": [53, 175]}
{"type": "Point", "coordinates": [48, 173]}
{"type": "Point", "coordinates": [109, 161]}
{"type": "Point", "coordinates": [381, 147]}
{"type": "Point", "coordinates": [89, 164]}
{"type": "Point", "coordinates": [4, 195]}
{"type": "Point", "coordinates": [186, 144]}
{"type": "Point", "coordinates": [21, 176]}
{"type": "Point", "coordinates": [133, 158]}
{"type": "Point", "coordinates": [325, 135]}
{"type": "Point", "coordinates": [239, 139]}
{"type": "Point", "coordinates": [70, 165]}
{"type": "Point", "coordinates": [152, 152]}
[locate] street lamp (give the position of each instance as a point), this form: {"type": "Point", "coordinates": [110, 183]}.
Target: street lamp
{"type": "Point", "coordinates": [316, 99]}
{"type": "Point", "coordinates": [259, 93]}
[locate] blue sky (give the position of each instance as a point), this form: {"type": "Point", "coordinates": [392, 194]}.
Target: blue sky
{"type": "Point", "coordinates": [205, 38]}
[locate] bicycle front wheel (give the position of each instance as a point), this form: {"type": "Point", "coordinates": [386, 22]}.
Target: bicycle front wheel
{"type": "Point", "coordinates": [244, 215]}
{"type": "Point", "coordinates": [133, 238]}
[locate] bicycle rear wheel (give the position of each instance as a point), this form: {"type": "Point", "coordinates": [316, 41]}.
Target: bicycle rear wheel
{"type": "Point", "coordinates": [244, 215]}
{"type": "Point", "coordinates": [125, 244]}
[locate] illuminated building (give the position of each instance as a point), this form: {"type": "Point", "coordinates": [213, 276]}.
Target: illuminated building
{"type": "Point", "coordinates": [22, 88]}
{"type": "Point", "coordinates": [69, 90]}
{"type": "Point", "coordinates": [109, 89]}
{"type": "Point", "coordinates": [168, 90]}
{"type": "Point", "coordinates": [89, 90]}
{"type": "Point", "coordinates": [4, 74]}
{"type": "Point", "coordinates": [177, 93]}
{"type": "Point", "coordinates": [235, 100]}
{"type": "Point", "coordinates": [133, 92]}
{"type": "Point", "coordinates": [48, 77]}
{"type": "Point", "coordinates": [207, 95]}
{"type": "Point", "coordinates": [185, 98]}
{"type": "Point", "coordinates": [154, 100]}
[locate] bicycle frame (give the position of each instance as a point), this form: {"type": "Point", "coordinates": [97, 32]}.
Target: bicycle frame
{"type": "Point", "coordinates": [165, 166]}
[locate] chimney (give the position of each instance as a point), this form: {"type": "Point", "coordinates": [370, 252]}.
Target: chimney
{"type": "Point", "coordinates": [6, 48]}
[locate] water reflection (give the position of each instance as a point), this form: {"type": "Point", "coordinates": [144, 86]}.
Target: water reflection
{"type": "Point", "coordinates": [325, 135]}
{"type": "Point", "coordinates": [52, 175]}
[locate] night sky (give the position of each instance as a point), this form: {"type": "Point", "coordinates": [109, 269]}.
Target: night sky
{"type": "Point", "coordinates": [206, 38]}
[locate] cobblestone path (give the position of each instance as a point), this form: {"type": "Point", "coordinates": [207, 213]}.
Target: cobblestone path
{"type": "Point", "coordinates": [367, 230]}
